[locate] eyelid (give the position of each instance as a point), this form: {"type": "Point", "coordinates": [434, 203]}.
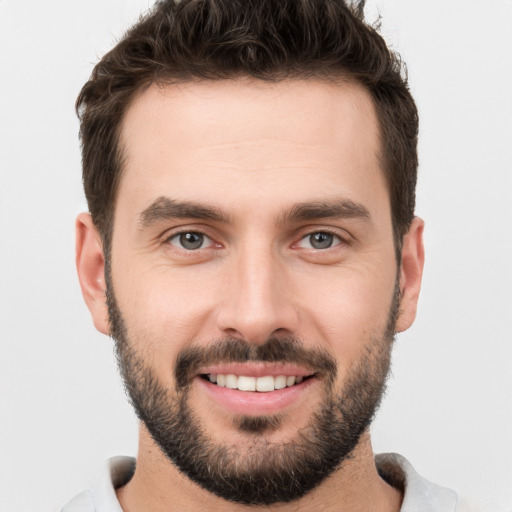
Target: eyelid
{"type": "Point", "coordinates": [336, 241]}
{"type": "Point", "coordinates": [343, 237]}
{"type": "Point", "coordinates": [176, 232]}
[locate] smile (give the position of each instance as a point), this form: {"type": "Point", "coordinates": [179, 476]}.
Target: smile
{"type": "Point", "coordinates": [255, 388]}
{"type": "Point", "coordinates": [263, 384]}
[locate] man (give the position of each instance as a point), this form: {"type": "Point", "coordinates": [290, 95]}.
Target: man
{"type": "Point", "coordinates": [251, 247]}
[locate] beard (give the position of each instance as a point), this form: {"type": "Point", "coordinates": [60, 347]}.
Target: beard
{"type": "Point", "coordinates": [264, 472]}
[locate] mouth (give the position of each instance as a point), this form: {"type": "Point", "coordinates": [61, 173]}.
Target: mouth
{"type": "Point", "coordinates": [263, 384]}
{"type": "Point", "coordinates": [256, 389]}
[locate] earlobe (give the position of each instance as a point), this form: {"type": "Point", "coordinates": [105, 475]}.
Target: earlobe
{"type": "Point", "coordinates": [90, 264]}
{"type": "Point", "coordinates": [411, 272]}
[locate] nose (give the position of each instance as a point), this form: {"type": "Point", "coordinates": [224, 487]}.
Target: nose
{"type": "Point", "coordinates": [258, 302]}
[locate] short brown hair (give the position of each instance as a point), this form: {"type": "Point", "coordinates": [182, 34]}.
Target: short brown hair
{"type": "Point", "coordinates": [270, 40]}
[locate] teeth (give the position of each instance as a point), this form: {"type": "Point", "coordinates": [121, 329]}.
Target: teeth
{"type": "Point", "coordinates": [231, 381]}
{"type": "Point", "coordinates": [247, 384]}
{"type": "Point", "coordinates": [265, 383]}
{"type": "Point", "coordinates": [261, 384]}
{"type": "Point", "coordinates": [280, 382]}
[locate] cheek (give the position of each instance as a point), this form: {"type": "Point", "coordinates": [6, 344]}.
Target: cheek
{"type": "Point", "coordinates": [162, 309]}
{"type": "Point", "coordinates": [350, 309]}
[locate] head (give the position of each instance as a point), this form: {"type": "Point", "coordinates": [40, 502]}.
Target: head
{"type": "Point", "coordinates": [191, 41]}
{"type": "Point", "coordinates": [250, 173]}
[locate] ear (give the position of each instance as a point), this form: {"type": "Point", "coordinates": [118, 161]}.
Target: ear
{"type": "Point", "coordinates": [411, 272]}
{"type": "Point", "coordinates": [90, 264]}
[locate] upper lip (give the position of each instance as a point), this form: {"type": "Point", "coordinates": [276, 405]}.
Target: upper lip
{"type": "Point", "coordinates": [251, 369]}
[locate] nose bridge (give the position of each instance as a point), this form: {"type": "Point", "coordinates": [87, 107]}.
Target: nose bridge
{"type": "Point", "coordinates": [257, 275]}
{"type": "Point", "coordinates": [258, 305]}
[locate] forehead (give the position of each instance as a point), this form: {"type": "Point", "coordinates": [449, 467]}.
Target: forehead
{"type": "Point", "coordinates": [193, 140]}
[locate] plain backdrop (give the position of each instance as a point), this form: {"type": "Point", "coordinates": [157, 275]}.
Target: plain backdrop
{"type": "Point", "coordinates": [449, 403]}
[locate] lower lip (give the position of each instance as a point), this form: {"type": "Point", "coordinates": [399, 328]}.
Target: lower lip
{"type": "Point", "coordinates": [254, 403]}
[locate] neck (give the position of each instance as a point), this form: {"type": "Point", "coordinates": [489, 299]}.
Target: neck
{"type": "Point", "coordinates": [158, 486]}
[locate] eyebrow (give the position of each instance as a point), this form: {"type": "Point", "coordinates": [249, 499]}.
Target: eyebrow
{"type": "Point", "coordinates": [165, 208]}
{"type": "Point", "coordinates": [333, 209]}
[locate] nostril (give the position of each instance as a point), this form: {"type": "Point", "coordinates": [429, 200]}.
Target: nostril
{"type": "Point", "coordinates": [233, 333]}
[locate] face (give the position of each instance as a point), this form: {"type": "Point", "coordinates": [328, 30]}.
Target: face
{"type": "Point", "coordinates": [252, 282]}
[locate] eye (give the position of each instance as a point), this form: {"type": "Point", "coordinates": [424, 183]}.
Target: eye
{"type": "Point", "coordinates": [319, 240]}
{"type": "Point", "coordinates": [190, 240]}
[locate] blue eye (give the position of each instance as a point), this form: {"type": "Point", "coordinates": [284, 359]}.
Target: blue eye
{"type": "Point", "coordinates": [190, 240]}
{"type": "Point", "coordinates": [319, 240]}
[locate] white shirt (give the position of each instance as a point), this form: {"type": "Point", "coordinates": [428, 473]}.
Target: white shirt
{"type": "Point", "coordinates": [420, 495]}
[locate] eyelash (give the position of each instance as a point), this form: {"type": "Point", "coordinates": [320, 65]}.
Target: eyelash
{"type": "Point", "coordinates": [342, 240]}
{"type": "Point", "coordinates": [168, 237]}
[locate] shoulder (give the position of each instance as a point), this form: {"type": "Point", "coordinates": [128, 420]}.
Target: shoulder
{"type": "Point", "coordinates": [466, 506]}
{"type": "Point", "coordinates": [102, 496]}
{"type": "Point", "coordinates": [420, 495]}
{"type": "Point", "coordinates": [83, 502]}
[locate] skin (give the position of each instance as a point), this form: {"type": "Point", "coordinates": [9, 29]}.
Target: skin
{"type": "Point", "coordinates": [255, 151]}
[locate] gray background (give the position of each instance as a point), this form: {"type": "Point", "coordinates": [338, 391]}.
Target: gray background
{"type": "Point", "coordinates": [449, 405]}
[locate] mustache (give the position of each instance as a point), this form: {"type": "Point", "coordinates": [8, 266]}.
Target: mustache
{"type": "Point", "coordinates": [233, 350]}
